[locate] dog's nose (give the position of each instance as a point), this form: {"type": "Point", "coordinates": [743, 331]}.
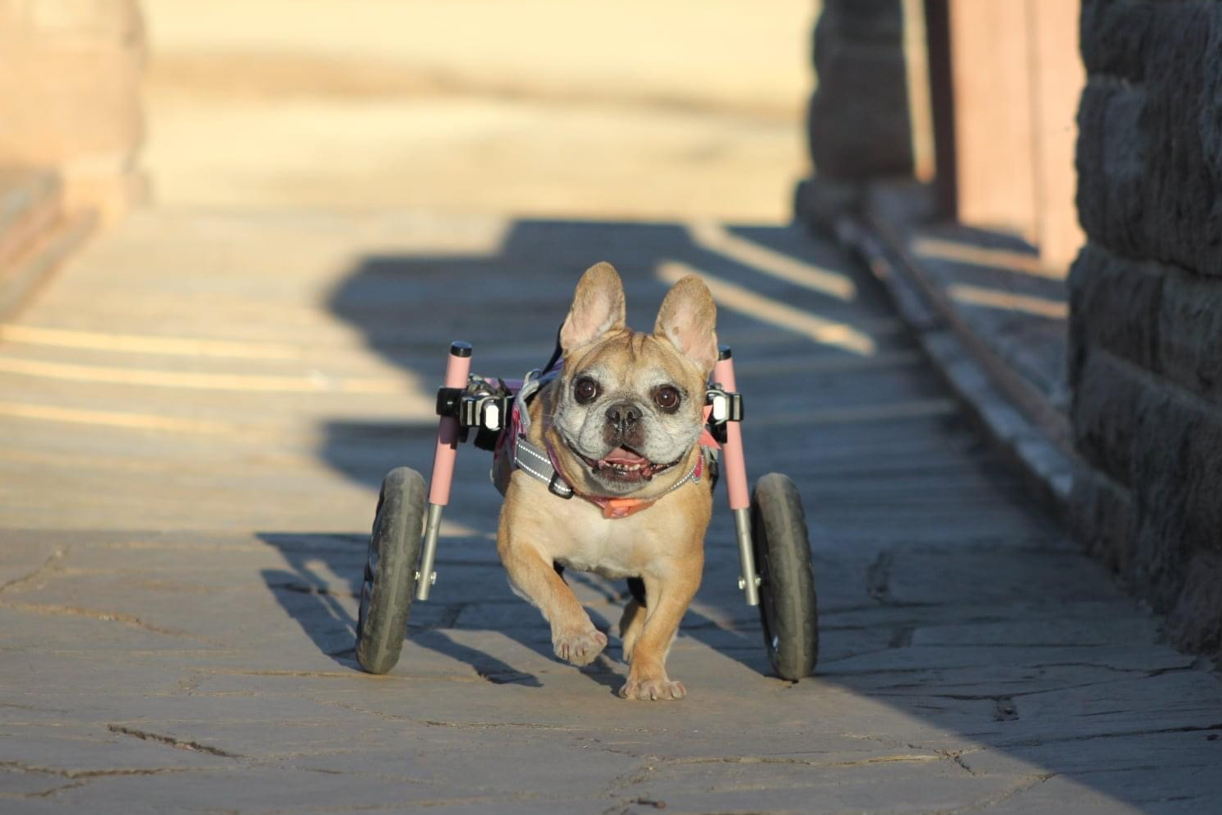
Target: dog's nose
{"type": "Point", "coordinates": [623, 415]}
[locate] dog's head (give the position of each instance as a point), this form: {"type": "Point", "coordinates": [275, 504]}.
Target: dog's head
{"type": "Point", "coordinates": [628, 408]}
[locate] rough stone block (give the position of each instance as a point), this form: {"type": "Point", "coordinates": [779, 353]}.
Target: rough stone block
{"type": "Point", "coordinates": [819, 202]}
{"type": "Point", "coordinates": [1189, 334]}
{"type": "Point", "coordinates": [858, 122]}
{"type": "Point", "coordinates": [1185, 187]}
{"type": "Point", "coordinates": [1209, 119]}
{"type": "Point", "coordinates": [1112, 301]}
{"type": "Point", "coordinates": [868, 21]}
{"type": "Point", "coordinates": [1104, 415]}
{"type": "Point", "coordinates": [1101, 517]}
{"type": "Point", "coordinates": [1148, 289]}
{"type": "Point", "coordinates": [1112, 166]}
{"type": "Point", "coordinates": [112, 19]}
{"type": "Point", "coordinates": [1181, 445]}
{"type": "Point", "coordinates": [69, 102]}
{"type": "Point", "coordinates": [72, 74]}
{"type": "Point", "coordinates": [1150, 154]}
{"type": "Point", "coordinates": [70, 95]}
{"type": "Point", "coordinates": [1115, 37]}
{"type": "Point", "coordinates": [1195, 621]}
{"type": "Point", "coordinates": [1176, 458]}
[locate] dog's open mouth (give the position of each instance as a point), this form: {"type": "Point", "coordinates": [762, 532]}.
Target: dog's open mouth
{"type": "Point", "coordinates": [625, 464]}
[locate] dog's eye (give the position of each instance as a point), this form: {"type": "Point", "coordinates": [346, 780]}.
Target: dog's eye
{"type": "Point", "coordinates": [667, 398]}
{"type": "Point", "coordinates": [586, 390]}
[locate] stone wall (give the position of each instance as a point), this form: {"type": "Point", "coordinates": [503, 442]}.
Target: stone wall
{"type": "Point", "coordinates": [858, 123]}
{"type": "Point", "coordinates": [1146, 312]}
{"type": "Point", "coordinates": [858, 117]}
{"type": "Point", "coordinates": [70, 95]}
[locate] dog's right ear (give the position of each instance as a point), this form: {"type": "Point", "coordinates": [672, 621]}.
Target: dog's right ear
{"type": "Point", "coordinates": [598, 307]}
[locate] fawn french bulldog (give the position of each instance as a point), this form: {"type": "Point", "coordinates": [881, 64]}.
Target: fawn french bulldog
{"type": "Point", "coordinates": [621, 426]}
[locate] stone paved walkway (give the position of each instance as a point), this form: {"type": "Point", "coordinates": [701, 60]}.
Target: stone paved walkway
{"type": "Point", "coordinates": [193, 420]}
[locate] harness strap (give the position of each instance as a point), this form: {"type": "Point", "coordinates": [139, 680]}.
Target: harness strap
{"type": "Point", "coordinates": [536, 463]}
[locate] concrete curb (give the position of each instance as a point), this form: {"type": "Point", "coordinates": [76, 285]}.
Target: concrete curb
{"type": "Point", "coordinates": [36, 236]}
{"type": "Point", "coordinates": [29, 204]}
{"type": "Point", "coordinates": [1028, 431]}
{"type": "Point", "coordinates": [19, 282]}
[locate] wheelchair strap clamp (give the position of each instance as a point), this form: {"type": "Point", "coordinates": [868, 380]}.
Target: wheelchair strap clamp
{"type": "Point", "coordinates": [726, 406]}
{"type": "Point", "coordinates": [484, 411]}
{"type": "Point", "coordinates": [448, 400]}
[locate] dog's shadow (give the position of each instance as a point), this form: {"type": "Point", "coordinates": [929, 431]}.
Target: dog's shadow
{"type": "Point", "coordinates": [310, 593]}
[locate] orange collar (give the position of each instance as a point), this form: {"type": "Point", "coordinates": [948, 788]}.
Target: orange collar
{"type": "Point", "coordinates": [623, 507]}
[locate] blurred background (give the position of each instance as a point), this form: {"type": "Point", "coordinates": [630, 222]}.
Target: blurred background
{"type": "Point", "coordinates": [632, 110]}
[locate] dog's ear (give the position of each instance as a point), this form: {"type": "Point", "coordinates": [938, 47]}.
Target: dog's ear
{"type": "Point", "coordinates": [688, 319]}
{"type": "Point", "coordinates": [598, 307]}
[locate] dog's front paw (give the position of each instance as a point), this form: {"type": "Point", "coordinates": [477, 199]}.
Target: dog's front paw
{"type": "Point", "coordinates": [581, 647]}
{"type": "Point", "coordinates": [652, 690]}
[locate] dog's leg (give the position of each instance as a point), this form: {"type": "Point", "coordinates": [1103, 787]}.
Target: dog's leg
{"type": "Point", "coordinates": [668, 600]}
{"type": "Point", "coordinates": [633, 618]}
{"type": "Point", "coordinates": [532, 575]}
{"type": "Point", "coordinates": [630, 626]}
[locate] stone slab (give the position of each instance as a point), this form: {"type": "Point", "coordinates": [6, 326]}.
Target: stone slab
{"type": "Point", "coordinates": [191, 646]}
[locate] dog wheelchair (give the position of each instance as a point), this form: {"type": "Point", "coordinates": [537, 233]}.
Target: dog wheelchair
{"type": "Point", "coordinates": [774, 551]}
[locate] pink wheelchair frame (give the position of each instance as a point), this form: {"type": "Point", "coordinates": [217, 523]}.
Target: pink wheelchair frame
{"type": "Point", "coordinates": [733, 466]}
{"type": "Point", "coordinates": [774, 551]}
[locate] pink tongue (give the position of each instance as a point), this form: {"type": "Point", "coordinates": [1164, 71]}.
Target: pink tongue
{"type": "Point", "coordinates": [621, 456]}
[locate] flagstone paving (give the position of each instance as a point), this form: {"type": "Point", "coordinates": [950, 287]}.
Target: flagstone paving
{"type": "Point", "coordinates": [194, 418]}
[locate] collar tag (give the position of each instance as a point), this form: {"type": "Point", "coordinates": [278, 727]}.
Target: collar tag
{"type": "Point", "coordinates": [621, 507]}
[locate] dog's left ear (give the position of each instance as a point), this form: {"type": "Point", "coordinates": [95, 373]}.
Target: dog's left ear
{"type": "Point", "coordinates": [598, 308]}
{"type": "Point", "coordinates": [688, 319]}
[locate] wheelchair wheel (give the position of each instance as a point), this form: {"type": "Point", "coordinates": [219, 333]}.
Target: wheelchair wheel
{"type": "Point", "coordinates": [787, 580]}
{"type": "Point", "coordinates": [390, 571]}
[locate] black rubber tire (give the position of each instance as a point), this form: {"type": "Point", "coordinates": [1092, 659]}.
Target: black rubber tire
{"type": "Point", "coordinates": [390, 571]}
{"type": "Point", "coordinates": [788, 607]}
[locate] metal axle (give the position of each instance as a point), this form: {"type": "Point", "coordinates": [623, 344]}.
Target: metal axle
{"type": "Point", "coordinates": [426, 577]}
{"type": "Point", "coordinates": [750, 581]}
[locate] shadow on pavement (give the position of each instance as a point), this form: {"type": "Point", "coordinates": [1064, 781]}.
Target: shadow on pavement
{"type": "Point", "coordinates": [837, 399]}
{"type": "Point", "coordinates": [508, 304]}
{"type": "Point", "coordinates": [323, 610]}
{"type": "Point", "coordinates": [332, 627]}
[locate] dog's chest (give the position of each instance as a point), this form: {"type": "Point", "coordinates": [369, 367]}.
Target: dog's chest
{"type": "Point", "coordinates": [612, 548]}
{"type": "Point", "coordinates": [576, 533]}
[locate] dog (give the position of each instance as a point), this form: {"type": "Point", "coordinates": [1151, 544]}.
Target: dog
{"type": "Point", "coordinates": [620, 426]}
